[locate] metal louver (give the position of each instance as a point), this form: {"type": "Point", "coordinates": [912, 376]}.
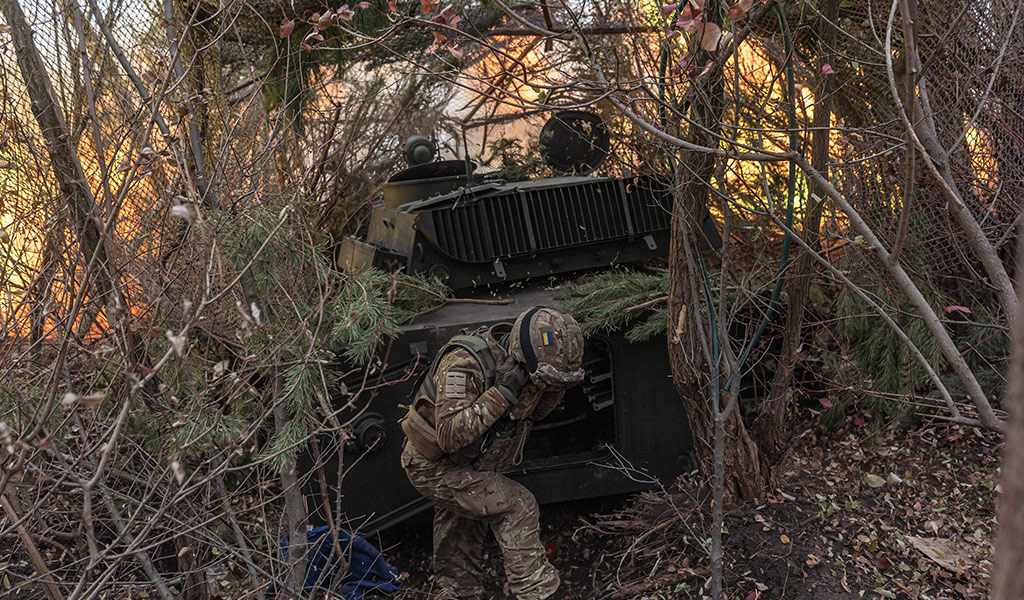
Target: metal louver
{"type": "Point", "coordinates": [527, 219]}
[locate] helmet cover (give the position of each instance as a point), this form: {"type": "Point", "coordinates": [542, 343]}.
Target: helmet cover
{"type": "Point", "coordinates": [550, 344]}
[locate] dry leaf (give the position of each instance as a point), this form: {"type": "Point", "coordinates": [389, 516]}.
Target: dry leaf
{"type": "Point", "coordinates": [874, 480]}
{"type": "Point", "coordinates": [177, 342]}
{"type": "Point", "coordinates": [941, 551]}
{"type": "Point", "coordinates": [740, 9]}
{"type": "Point", "coordinates": [287, 26]}
{"type": "Point", "coordinates": [178, 470]}
{"type": "Point", "coordinates": [181, 211]}
{"type": "Point", "coordinates": [710, 34]}
{"type": "Point", "coordinates": [88, 400]}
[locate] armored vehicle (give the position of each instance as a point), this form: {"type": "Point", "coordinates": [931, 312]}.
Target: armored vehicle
{"type": "Point", "coordinates": [488, 238]}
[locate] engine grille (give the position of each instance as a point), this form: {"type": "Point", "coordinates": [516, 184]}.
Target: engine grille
{"type": "Point", "coordinates": [529, 219]}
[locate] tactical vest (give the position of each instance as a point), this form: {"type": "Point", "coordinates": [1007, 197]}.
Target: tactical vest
{"type": "Point", "coordinates": [418, 423]}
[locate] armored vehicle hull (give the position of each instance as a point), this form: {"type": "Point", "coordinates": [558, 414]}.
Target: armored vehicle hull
{"type": "Point", "coordinates": [479, 233]}
{"type": "Point", "coordinates": [626, 412]}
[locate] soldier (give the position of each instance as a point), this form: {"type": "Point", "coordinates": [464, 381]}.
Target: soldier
{"type": "Point", "coordinates": [468, 424]}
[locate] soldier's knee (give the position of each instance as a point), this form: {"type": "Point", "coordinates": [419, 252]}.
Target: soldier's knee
{"type": "Point", "coordinates": [524, 509]}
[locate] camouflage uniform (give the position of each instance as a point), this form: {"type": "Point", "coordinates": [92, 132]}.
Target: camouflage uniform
{"type": "Point", "coordinates": [470, 494]}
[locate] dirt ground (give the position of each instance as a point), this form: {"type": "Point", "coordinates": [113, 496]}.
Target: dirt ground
{"type": "Point", "coordinates": [900, 514]}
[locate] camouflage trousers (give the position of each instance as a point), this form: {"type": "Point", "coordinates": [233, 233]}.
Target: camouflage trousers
{"type": "Point", "coordinates": [468, 502]}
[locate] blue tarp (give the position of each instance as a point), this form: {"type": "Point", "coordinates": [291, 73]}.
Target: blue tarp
{"type": "Point", "coordinates": [367, 569]}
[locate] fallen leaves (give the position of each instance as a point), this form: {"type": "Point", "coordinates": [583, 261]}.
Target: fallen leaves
{"type": "Point", "coordinates": [855, 506]}
{"type": "Point", "coordinates": [874, 480]}
{"type": "Point", "coordinates": [941, 551]}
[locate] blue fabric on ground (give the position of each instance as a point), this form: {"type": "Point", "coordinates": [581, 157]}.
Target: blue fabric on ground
{"type": "Point", "coordinates": [367, 569]}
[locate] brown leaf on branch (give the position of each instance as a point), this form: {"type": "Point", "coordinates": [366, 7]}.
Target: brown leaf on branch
{"type": "Point", "coordinates": [709, 36]}
{"type": "Point", "coordinates": [87, 400]}
{"type": "Point", "coordinates": [740, 9]}
{"type": "Point", "coordinates": [287, 26]}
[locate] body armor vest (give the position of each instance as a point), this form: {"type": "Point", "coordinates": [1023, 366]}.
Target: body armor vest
{"type": "Point", "coordinates": [418, 423]}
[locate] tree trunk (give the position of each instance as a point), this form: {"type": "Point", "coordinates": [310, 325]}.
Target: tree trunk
{"type": "Point", "coordinates": [769, 426]}
{"type": "Point", "coordinates": [938, 159]}
{"type": "Point", "coordinates": [294, 508]}
{"type": "Point", "coordinates": [66, 167]}
{"type": "Point", "coordinates": [1008, 576]}
{"type": "Point", "coordinates": [74, 186]}
{"type": "Point", "coordinates": [745, 479]}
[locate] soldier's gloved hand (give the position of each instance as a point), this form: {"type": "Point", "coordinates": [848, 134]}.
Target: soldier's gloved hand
{"type": "Point", "coordinates": [527, 405]}
{"type": "Point", "coordinates": [548, 377]}
{"type": "Point", "coordinates": [510, 379]}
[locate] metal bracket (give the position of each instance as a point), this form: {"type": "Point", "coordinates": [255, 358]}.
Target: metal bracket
{"type": "Point", "coordinates": [651, 244]}
{"type": "Point", "coordinates": [624, 198]}
{"type": "Point", "coordinates": [499, 269]}
{"type": "Point", "coordinates": [420, 351]}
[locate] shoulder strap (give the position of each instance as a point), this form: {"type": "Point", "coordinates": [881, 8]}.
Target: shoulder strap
{"type": "Point", "coordinates": [524, 339]}
{"type": "Point", "coordinates": [480, 350]}
{"type": "Point", "coordinates": [477, 348]}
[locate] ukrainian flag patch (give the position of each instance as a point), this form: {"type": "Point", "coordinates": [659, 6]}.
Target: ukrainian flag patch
{"type": "Point", "coordinates": [547, 338]}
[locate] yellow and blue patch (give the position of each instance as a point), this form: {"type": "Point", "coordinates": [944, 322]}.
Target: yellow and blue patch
{"type": "Point", "coordinates": [547, 338]}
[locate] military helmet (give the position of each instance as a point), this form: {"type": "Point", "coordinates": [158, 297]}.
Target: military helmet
{"type": "Point", "coordinates": [545, 336]}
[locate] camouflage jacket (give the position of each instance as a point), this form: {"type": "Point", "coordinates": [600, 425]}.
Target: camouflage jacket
{"type": "Point", "coordinates": [464, 411]}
